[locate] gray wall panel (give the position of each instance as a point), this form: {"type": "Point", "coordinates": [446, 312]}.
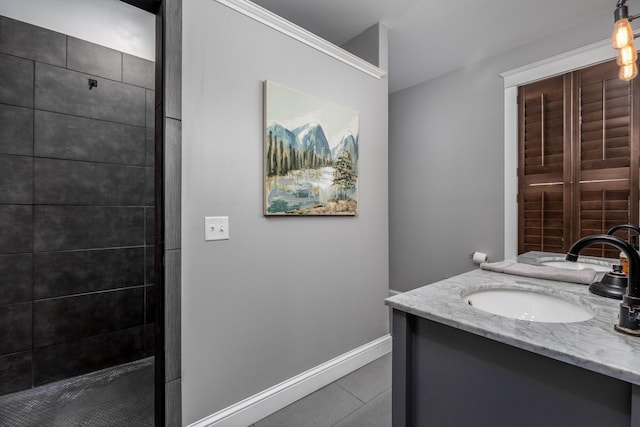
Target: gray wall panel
{"type": "Point", "coordinates": [100, 313]}
{"type": "Point", "coordinates": [66, 91]}
{"type": "Point", "coordinates": [16, 132]}
{"type": "Point", "coordinates": [80, 138]}
{"type": "Point", "coordinates": [150, 144]}
{"type": "Point", "coordinates": [94, 59]}
{"type": "Point", "coordinates": [16, 179]}
{"type": "Point", "coordinates": [70, 182]}
{"type": "Point", "coordinates": [172, 166]}
{"type": "Point", "coordinates": [149, 187]}
{"type": "Point", "coordinates": [172, 315]}
{"type": "Point", "coordinates": [173, 408]}
{"type": "Point", "coordinates": [150, 98]}
{"type": "Point", "coordinates": [16, 230]}
{"type": "Point", "coordinates": [16, 372]}
{"type": "Point", "coordinates": [149, 225]}
{"type": "Point", "coordinates": [138, 71]}
{"type": "Point", "coordinates": [66, 273]}
{"type": "Point", "coordinates": [17, 278]}
{"type": "Point", "coordinates": [149, 274]}
{"type": "Point", "coordinates": [83, 227]}
{"type": "Point", "coordinates": [173, 59]}
{"type": "Point", "coordinates": [78, 357]}
{"type": "Point", "coordinates": [31, 42]}
{"type": "Point", "coordinates": [16, 81]}
{"type": "Point", "coordinates": [15, 335]}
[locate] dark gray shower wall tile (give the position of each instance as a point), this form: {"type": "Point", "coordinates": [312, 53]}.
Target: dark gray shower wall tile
{"type": "Point", "coordinates": [16, 179]}
{"type": "Point", "coordinates": [149, 304]}
{"type": "Point", "coordinates": [150, 110]}
{"type": "Point", "coordinates": [70, 182]}
{"type": "Point", "coordinates": [16, 278]}
{"type": "Point", "coordinates": [77, 138]}
{"type": "Point", "coordinates": [150, 272]}
{"type": "Point", "coordinates": [149, 339]}
{"type": "Point", "coordinates": [149, 225]}
{"type": "Point", "coordinates": [16, 131]}
{"type": "Point", "coordinates": [173, 63]}
{"type": "Point", "coordinates": [16, 81]}
{"type": "Point", "coordinates": [149, 185]}
{"type": "Point", "coordinates": [16, 229]}
{"type": "Point", "coordinates": [172, 316]}
{"type": "Point", "coordinates": [15, 327]}
{"type": "Point", "coordinates": [58, 228]}
{"type": "Point", "coordinates": [65, 319]}
{"type": "Point", "coordinates": [86, 355]}
{"type": "Point", "coordinates": [67, 91]}
{"type": "Point", "coordinates": [16, 372]}
{"type": "Point", "coordinates": [94, 59]}
{"type": "Point", "coordinates": [173, 403]}
{"type": "Point", "coordinates": [138, 71]}
{"type": "Point", "coordinates": [66, 273]}
{"type": "Point", "coordinates": [150, 150]}
{"type": "Point", "coordinates": [172, 177]}
{"type": "Point", "coordinates": [29, 41]}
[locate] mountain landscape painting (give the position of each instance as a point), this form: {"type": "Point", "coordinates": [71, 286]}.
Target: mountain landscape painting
{"type": "Point", "coordinates": [310, 154]}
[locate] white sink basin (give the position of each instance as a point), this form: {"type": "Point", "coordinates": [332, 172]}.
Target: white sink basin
{"type": "Point", "coordinates": [528, 303]}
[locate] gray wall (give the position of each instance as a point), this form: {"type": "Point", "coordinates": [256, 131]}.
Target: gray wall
{"type": "Point", "coordinates": [446, 163]}
{"type": "Point", "coordinates": [283, 295]}
{"type": "Point", "coordinates": [371, 45]}
{"type": "Point", "coordinates": [76, 255]}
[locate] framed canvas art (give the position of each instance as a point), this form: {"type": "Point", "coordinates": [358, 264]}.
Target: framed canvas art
{"type": "Point", "coordinates": [310, 154]}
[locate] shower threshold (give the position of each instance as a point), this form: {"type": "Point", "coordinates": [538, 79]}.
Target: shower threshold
{"type": "Point", "coordinates": [119, 396]}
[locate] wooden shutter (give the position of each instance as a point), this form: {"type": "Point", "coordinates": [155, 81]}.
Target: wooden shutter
{"type": "Point", "coordinates": [543, 193]}
{"type": "Point", "coordinates": [578, 171]}
{"type": "Point", "coordinates": [608, 161]}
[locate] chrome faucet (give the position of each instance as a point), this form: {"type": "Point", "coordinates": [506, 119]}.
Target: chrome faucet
{"type": "Point", "coordinates": [628, 322]}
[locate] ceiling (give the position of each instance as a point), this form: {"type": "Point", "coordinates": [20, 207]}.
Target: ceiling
{"type": "Point", "coordinates": [475, 28]}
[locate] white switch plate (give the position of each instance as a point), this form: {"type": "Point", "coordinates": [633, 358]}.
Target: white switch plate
{"type": "Point", "coordinates": [216, 228]}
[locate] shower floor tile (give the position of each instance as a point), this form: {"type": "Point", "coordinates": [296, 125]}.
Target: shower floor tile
{"type": "Point", "coordinates": [118, 396]}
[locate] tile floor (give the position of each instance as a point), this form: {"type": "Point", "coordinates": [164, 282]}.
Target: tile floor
{"type": "Point", "coordinates": [360, 399]}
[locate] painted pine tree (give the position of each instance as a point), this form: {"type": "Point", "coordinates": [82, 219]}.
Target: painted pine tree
{"type": "Point", "coordinates": [344, 177]}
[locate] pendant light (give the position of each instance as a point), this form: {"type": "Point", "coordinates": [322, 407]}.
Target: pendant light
{"type": "Point", "coordinates": [622, 39]}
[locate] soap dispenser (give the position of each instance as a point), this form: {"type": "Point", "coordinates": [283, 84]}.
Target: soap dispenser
{"type": "Point", "coordinates": [633, 241]}
{"type": "Point", "coordinates": [624, 261]}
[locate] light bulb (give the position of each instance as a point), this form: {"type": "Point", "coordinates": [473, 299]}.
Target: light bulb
{"type": "Point", "coordinates": [627, 55]}
{"type": "Point", "coordinates": [622, 33]}
{"type": "Point", "coordinates": [628, 72]}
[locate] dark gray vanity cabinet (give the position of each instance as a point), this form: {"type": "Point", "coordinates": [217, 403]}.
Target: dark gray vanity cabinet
{"type": "Point", "coordinates": [443, 376]}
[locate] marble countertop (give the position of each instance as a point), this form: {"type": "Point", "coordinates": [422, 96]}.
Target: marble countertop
{"type": "Point", "coordinates": [592, 344]}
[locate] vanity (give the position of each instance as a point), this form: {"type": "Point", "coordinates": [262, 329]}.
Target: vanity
{"type": "Point", "coordinates": [456, 365]}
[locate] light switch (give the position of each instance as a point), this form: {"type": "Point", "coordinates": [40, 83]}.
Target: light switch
{"type": "Point", "coordinates": [216, 228]}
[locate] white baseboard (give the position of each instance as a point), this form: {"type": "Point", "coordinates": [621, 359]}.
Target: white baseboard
{"type": "Point", "coordinates": [265, 403]}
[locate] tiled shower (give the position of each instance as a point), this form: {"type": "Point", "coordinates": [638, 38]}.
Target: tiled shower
{"type": "Point", "coordinates": [76, 207]}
